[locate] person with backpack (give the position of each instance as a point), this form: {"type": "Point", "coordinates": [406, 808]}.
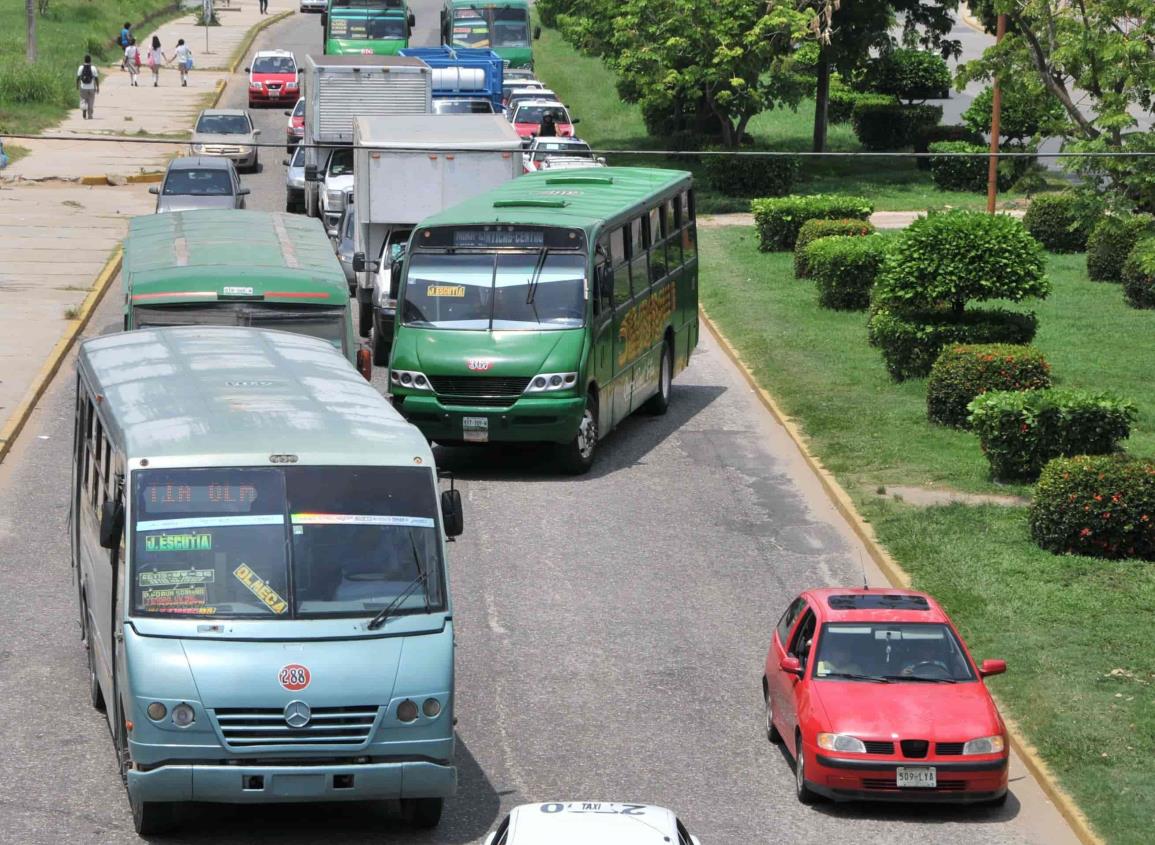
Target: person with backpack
{"type": "Point", "coordinates": [132, 61]}
{"type": "Point", "coordinates": [156, 57]}
{"type": "Point", "coordinates": [123, 39]}
{"type": "Point", "coordinates": [184, 61]}
{"type": "Point", "coordinates": [88, 83]}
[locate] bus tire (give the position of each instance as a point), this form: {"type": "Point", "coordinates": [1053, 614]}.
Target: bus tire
{"type": "Point", "coordinates": [657, 404]}
{"type": "Point", "coordinates": [95, 696]}
{"type": "Point", "coordinates": [424, 813]}
{"type": "Point", "coordinates": [577, 456]}
{"type": "Point", "coordinates": [364, 317]}
{"type": "Point", "coordinates": [380, 347]}
{"type": "Point", "coordinates": [150, 818]}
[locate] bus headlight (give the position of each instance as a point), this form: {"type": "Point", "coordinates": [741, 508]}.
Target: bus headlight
{"type": "Point", "coordinates": [156, 711]}
{"type": "Point", "coordinates": [183, 716]}
{"type": "Point", "coordinates": [431, 707]}
{"type": "Point", "coordinates": [407, 711]}
{"type": "Point", "coordinates": [984, 745]}
{"type": "Point", "coordinates": [547, 382]}
{"type": "Point", "coordinates": [410, 378]}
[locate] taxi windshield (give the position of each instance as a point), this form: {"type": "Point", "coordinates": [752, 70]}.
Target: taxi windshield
{"type": "Point", "coordinates": [891, 651]}
{"type": "Point", "coordinates": [285, 543]}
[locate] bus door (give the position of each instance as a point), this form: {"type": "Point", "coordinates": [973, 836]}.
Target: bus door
{"type": "Point", "coordinates": [602, 332]}
{"type": "Point", "coordinates": [629, 239]}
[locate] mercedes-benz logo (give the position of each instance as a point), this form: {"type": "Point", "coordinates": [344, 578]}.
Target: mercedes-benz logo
{"type": "Point", "coordinates": [297, 714]}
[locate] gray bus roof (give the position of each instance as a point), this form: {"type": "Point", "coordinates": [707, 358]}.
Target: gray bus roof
{"type": "Point", "coordinates": [226, 395]}
{"type": "Point", "coordinates": [437, 132]}
{"type": "Point", "coordinates": [364, 61]}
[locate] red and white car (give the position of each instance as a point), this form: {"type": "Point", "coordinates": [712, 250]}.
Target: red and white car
{"type": "Point", "coordinates": [529, 114]}
{"type": "Point", "coordinates": [295, 128]}
{"type": "Point", "coordinates": [875, 694]}
{"type": "Point", "coordinates": [273, 78]}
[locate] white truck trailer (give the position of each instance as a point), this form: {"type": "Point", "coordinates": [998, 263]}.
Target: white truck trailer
{"type": "Point", "coordinates": [341, 88]}
{"type": "Point", "coordinates": [404, 170]}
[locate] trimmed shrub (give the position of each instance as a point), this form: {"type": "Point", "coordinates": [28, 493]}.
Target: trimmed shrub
{"type": "Point", "coordinates": [910, 342]}
{"type": "Point", "coordinates": [1139, 275]}
{"type": "Point", "coordinates": [1062, 221]}
{"type": "Point", "coordinates": [969, 173]}
{"type": "Point", "coordinates": [910, 75]}
{"type": "Point", "coordinates": [1021, 430]}
{"type": "Point", "coordinates": [812, 230]}
{"type": "Point", "coordinates": [842, 100]}
{"type": "Point", "coordinates": [891, 126]}
{"type": "Point", "coordinates": [1025, 113]}
{"type": "Point", "coordinates": [937, 134]}
{"type": "Point", "coordinates": [963, 372]}
{"type": "Point", "coordinates": [1111, 241]}
{"type": "Point", "coordinates": [778, 219]}
{"type": "Point", "coordinates": [949, 259]}
{"type": "Point", "coordinates": [1097, 505]}
{"type": "Point", "coordinates": [844, 268]}
{"type": "Point", "coordinates": [751, 176]}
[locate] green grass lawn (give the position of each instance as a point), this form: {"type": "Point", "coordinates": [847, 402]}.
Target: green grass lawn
{"type": "Point", "coordinates": [588, 88]}
{"type": "Point", "coordinates": [34, 97]}
{"type": "Point", "coordinates": [1075, 630]}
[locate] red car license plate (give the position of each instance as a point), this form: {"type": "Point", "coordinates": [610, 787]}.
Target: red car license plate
{"type": "Point", "coordinates": [923, 777]}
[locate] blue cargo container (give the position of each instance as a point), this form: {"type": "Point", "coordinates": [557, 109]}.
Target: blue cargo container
{"type": "Point", "coordinates": [463, 72]}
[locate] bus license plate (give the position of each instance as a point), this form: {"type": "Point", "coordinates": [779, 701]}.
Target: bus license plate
{"type": "Point", "coordinates": [475, 429]}
{"type": "Point", "coordinates": [921, 778]}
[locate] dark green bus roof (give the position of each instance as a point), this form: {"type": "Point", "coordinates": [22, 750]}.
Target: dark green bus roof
{"type": "Point", "coordinates": [485, 4]}
{"type": "Point", "coordinates": [581, 198]}
{"type": "Point", "coordinates": [199, 255]}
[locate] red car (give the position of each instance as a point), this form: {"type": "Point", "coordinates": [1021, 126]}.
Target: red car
{"type": "Point", "coordinates": [295, 128]}
{"type": "Point", "coordinates": [877, 697]}
{"type": "Point", "coordinates": [529, 114]}
{"type": "Point", "coordinates": [273, 78]}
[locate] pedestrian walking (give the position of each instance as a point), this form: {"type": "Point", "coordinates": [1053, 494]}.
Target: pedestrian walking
{"type": "Point", "coordinates": [132, 61]}
{"type": "Point", "coordinates": [184, 61]}
{"type": "Point", "coordinates": [156, 58]}
{"type": "Point", "coordinates": [264, 7]}
{"type": "Point", "coordinates": [123, 39]}
{"type": "Point", "coordinates": [88, 83]}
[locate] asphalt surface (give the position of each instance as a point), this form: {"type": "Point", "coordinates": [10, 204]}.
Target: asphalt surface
{"type": "Point", "coordinates": [611, 630]}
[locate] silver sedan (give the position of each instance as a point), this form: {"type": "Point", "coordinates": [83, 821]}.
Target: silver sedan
{"type": "Point", "coordinates": [228, 133]}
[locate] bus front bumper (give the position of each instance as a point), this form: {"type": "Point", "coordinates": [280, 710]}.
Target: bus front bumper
{"type": "Point", "coordinates": [279, 784]}
{"type": "Point", "coordinates": [537, 419]}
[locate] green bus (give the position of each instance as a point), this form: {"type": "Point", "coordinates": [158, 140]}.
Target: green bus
{"type": "Point", "coordinates": [548, 309]}
{"type": "Point", "coordinates": [367, 27]}
{"type": "Point", "coordinates": [498, 25]}
{"type": "Point", "coordinates": [237, 268]}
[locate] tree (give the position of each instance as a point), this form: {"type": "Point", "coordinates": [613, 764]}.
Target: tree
{"type": "Point", "coordinates": [30, 46]}
{"type": "Point", "coordinates": [1097, 58]}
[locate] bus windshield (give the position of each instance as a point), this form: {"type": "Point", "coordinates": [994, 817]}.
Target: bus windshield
{"type": "Point", "coordinates": [285, 543]}
{"type": "Point", "coordinates": [324, 323]}
{"type": "Point", "coordinates": [491, 27]}
{"type": "Point", "coordinates": [367, 27]}
{"type": "Point", "coordinates": [496, 291]}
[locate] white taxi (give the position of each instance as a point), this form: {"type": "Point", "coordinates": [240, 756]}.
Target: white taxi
{"type": "Point", "coordinates": [580, 823]}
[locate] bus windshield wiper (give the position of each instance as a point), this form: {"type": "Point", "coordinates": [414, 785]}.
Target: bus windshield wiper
{"type": "Point", "coordinates": [533, 282]}
{"type": "Point", "coordinates": [380, 619]}
{"type": "Point", "coordinates": [851, 676]}
{"type": "Point", "coordinates": [418, 567]}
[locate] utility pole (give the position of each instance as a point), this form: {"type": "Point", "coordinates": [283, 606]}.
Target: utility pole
{"type": "Point", "coordinates": [30, 12]}
{"type": "Point", "coordinates": [996, 126]}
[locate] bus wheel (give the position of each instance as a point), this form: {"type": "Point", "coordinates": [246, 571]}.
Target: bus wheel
{"type": "Point", "coordinates": [152, 817]}
{"type": "Point", "coordinates": [422, 812]}
{"type": "Point", "coordinates": [364, 317]}
{"type": "Point", "coordinates": [95, 696]}
{"type": "Point", "coordinates": [660, 401]}
{"type": "Point", "coordinates": [380, 347]}
{"type": "Point", "coordinates": [577, 456]}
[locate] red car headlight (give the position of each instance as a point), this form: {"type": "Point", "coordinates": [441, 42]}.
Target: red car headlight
{"type": "Point", "coordinates": [984, 745]}
{"type": "Point", "coordinates": [255, 86]}
{"type": "Point", "coordinates": [841, 742]}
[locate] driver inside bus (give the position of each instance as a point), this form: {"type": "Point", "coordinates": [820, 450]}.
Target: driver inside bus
{"type": "Point", "coordinates": [372, 557]}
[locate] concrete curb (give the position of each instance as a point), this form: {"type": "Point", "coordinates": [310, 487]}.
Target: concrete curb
{"type": "Point", "coordinates": [56, 357]}
{"type": "Point", "coordinates": [243, 50]}
{"type": "Point", "coordinates": [898, 577]}
{"type": "Point", "coordinates": [134, 179]}
{"type": "Point", "coordinates": [222, 84]}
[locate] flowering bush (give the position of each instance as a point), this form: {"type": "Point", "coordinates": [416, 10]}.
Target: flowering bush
{"type": "Point", "coordinates": [1021, 430]}
{"type": "Point", "coordinates": [778, 219]}
{"type": "Point", "coordinates": [963, 372]}
{"type": "Point", "coordinates": [1103, 506]}
{"type": "Point", "coordinates": [813, 230]}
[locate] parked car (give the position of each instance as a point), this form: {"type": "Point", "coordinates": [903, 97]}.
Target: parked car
{"type": "Point", "coordinates": [273, 78]}
{"type": "Point", "coordinates": [295, 181]}
{"type": "Point", "coordinates": [314, 5]}
{"type": "Point", "coordinates": [199, 182]}
{"type": "Point", "coordinates": [527, 119]}
{"type": "Point", "coordinates": [875, 694]}
{"type": "Point", "coordinates": [343, 242]}
{"type": "Point", "coordinates": [295, 128]}
{"type": "Point", "coordinates": [462, 105]}
{"type": "Point", "coordinates": [559, 154]}
{"type": "Point", "coordinates": [591, 821]}
{"type": "Point", "coordinates": [228, 133]}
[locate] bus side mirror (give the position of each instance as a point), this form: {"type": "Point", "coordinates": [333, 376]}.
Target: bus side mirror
{"type": "Point", "coordinates": [536, 33]}
{"type": "Point", "coordinates": [451, 512]}
{"type": "Point", "coordinates": [395, 277]}
{"type": "Point", "coordinates": [412, 20]}
{"type": "Point", "coordinates": [358, 262]}
{"type": "Point", "coordinates": [111, 523]}
{"type": "Point", "coordinates": [324, 19]}
{"type": "Point", "coordinates": [365, 363]}
{"type": "Point", "coordinates": [311, 174]}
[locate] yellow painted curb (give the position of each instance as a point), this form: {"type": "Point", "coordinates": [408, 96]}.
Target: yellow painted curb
{"type": "Point", "coordinates": [252, 36]}
{"type": "Point", "coordinates": [23, 411]}
{"type": "Point", "coordinates": [222, 84]}
{"type": "Point", "coordinates": [898, 577]}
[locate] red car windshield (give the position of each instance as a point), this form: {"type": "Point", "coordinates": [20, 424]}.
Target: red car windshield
{"type": "Point", "coordinates": [274, 64]}
{"type": "Point", "coordinates": [893, 652]}
{"type": "Point", "coordinates": [534, 114]}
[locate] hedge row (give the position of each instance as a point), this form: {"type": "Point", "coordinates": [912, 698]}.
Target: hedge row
{"type": "Point", "coordinates": [812, 230]}
{"type": "Point", "coordinates": [891, 126]}
{"type": "Point", "coordinates": [778, 219]}
{"type": "Point", "coordinates": [1021, 430]}
{"type": "Point", "coordinates": [962, 373]}
{"type": "Point", "coordinates": [751, 176]}
{"type": "Point", "coordinates": [970, 172]}
{"type": "Point", "coordinates": [844, 269]}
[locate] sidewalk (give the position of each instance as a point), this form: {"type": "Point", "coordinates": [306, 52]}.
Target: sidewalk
{"type": "Point", "coordinates": [58, 234]}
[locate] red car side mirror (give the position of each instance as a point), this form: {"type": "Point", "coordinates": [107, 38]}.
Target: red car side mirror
{"type": "Point", "coordinates": [992, 667]}
{"type": "Point", "coordinates": [791, 665]}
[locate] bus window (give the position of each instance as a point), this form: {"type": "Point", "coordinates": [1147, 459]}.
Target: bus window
{"type": "Point", "coordinates": [689, 233]}
{"type": "Point", "coordinates": [619, 250]}
{"type": "Point", "coordinates": [602, 291]}
{"type": "Point", "coordinates": [674, 247]}
{"type": "Point", "coordinates": [86, 455]}
{"type": "Point", "coordinates": [658, 265]}
{"type": "Point", "coordinates": [639, 271]}
{"type": "Point", "coordinates": [94, 456]}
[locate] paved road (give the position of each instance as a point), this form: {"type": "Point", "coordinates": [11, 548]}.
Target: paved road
{"type": "Point", "coordinates": [611, 628]}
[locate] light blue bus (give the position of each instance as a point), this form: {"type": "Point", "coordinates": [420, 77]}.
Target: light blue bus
{"type": "Point", "coordinates": [259, 553]}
